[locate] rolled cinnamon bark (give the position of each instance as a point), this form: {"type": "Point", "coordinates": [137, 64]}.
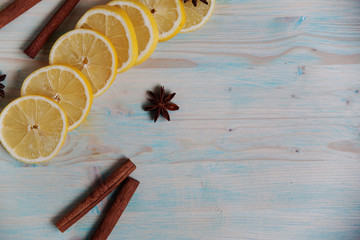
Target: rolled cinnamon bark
{"type": "Point", "coordinates": [14, 10]}
{"type": "Point", "coordinates": [97, 195]}
{"type": "Point", "coordinates": [33, 49]}
{"type": "Point", "coordinates": [114, 213]}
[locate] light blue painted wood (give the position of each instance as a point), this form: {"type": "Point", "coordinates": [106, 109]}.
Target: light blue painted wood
{"type": "Point", "coordinates": [265, 146]}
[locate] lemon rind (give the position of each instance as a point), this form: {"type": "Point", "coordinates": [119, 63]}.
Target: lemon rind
{"type": "Point", "coordinates": [203, 21]}
{"type": "Point", "coordinates": [120, 15]}
{"type": "Point", "coordinates": [105, 40]}
{"type": "Point", "coordinates": [63, 132]}
{"type": "Point", "coordinates": [149, 21]}
{"type": "Point", "coordinates": [178, 25]}
{"type": "Point", "coordinates": [79, 75]}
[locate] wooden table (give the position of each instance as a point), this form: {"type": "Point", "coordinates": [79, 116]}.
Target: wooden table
{"type": "Point", "coordinates": [265, 146]}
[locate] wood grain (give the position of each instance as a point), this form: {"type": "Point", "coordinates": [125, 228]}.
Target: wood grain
{"type": "Point", "coordinates": [265, 146]}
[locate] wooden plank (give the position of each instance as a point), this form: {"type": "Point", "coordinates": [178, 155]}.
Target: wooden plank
{"type": "Point", "coordinates": [265, 145]}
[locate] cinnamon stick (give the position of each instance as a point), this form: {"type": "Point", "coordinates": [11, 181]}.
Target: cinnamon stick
{"type": "Point", "coordinates": [97, 195]}
{"type": "Point", "coordinates": [33, 49]}
{"type": "Point", "coordinates": [112, 216]}
{"type": "Point", "coordinates": [14, 10]}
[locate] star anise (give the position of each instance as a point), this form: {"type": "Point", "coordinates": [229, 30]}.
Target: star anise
{"type": "Point", "coordinates": [2, 92]}
{"type": "Point", "coordinates": [160, 104]}
{"type": "Point", "coordinates": [194, 2]}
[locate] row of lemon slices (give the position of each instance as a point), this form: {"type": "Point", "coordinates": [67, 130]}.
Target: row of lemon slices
{"type": "Point", "coordinates": [107, 40]}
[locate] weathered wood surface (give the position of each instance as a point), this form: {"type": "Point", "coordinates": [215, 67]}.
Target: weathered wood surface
{"type": "Point", "coordinates": [265, 146]}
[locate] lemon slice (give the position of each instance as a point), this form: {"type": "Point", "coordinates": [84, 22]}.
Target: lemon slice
{"type": "Point", "coordinates": [115, 24]}
{"type": "Point", "coordinates": [33, 128]}
{"type": "Point", "coordinates": [90, 52]}
{"type": "Point", "coordinates": [169, 16]}
{"type": "Point", "coordinates": [65, 85]}
{"type": "Point", "coordinates": [197, 16]}
{"type": "Point", "coordinates": [146, 30]}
